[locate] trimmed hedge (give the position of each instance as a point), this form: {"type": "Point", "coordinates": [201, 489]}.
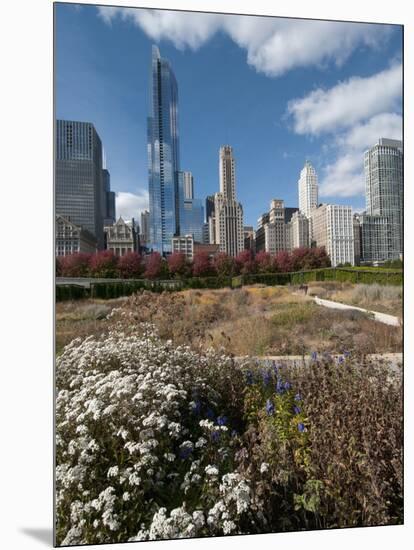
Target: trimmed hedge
{"type": "Point", "coordinates": [207, 282]}
{"type": "Point", "coordinates": [269, 279]}
{"type": "Point", "coordinates": [71, 292]}
{"type": "Point", "coordinates": [115, 289]}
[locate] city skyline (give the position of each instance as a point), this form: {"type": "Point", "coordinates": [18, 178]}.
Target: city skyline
{"type": "Point", "coordinates": [334, 144]}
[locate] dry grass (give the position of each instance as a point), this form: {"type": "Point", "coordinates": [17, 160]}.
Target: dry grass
{"type": "Point", "coordinates": [250, 321]}
{"type": "Point", "coordinates": [386, 299]}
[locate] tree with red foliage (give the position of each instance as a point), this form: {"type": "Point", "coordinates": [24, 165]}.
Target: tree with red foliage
{"type": "Point", "coordinates": [156, 266]}
{"type": "Point", "coordinates": [224, 265]}
{"type": "Point", "coordinates": [245, 262]}
{"type": "Point", "coordinates": [283, 261]}
{"type": "Point", "coordinates": [202, 265]}
{"type": "Point", "coordinates": [75, 265]}
{"type": "Point", "coordinates": [321, 257]}
{"type": "Point", "coordinates": [130, 266]}
{"type": "Point", "coordinates": [264, 262]}
{"type": "Point", "coordinates": [104, 264]}
{"type": "Point", "coordinates": [178, 265]}
{"type": "Point", "coordinates": [301, 258]}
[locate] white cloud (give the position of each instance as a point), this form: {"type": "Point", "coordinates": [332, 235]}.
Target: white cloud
{"type": "Point", "coordinates": [130, 205]}
{"type": "Point", "coordinates": [364, 135]}
{"type": "Point", "coordinates": [345, 176]}
{"type": "Point", "coordinates": [347, 103]}
{"type": "Point", "coordinates": [274, 46]}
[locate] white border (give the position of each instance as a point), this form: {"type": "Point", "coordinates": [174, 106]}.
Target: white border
{"type": "Point", "coordinates": [26, 289]}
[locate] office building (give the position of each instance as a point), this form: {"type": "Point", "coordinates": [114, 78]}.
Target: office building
{"type": "Point", "coordinates": [228, 213]}
{"type": "Point", "coordinates": [289, 211]}
{"type": "Point", "coordinates": [376, 240]}
{"type": "Point", "coordinates": [249, 237]}
{"type": "Point", "coordinates": [188, 185]}
{"type": "Point", "coordinates": [308, 189]}
{"type": "Point", "coordinates": [163, 156]}
{"type": "Point", "coordinates": [298, 234]}
{"type": "Point", "coordinates": [185, 245]}
{"type": "Point", "coordinates": [72, 239]}
{"type": "Point", "coordinates": [144, 228]}
{"type": "Point", "coordinates": [121, 237]}
{"type": "Point", "coordinates": [383, 165]}
{"type": "Point", "coordinates": [79, 185]}
{"type": "Point", "coordinates": [333, 228]}
{"type": "Point", "coordinates": [108, 199]}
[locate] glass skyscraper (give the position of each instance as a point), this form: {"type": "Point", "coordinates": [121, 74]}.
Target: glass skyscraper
{"type": "Point", "coordinates": [384, 189]}
{"type": "Point", "coordinates": [166, 200]}
{"type": "Point", "coordinates": [79, 185]}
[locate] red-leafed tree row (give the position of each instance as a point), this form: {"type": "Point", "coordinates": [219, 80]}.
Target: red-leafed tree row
{"type": "Point", "coordinates": [154, 266]}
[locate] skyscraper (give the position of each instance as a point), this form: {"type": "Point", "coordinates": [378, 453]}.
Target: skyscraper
{"type": "Point", "coordinates": [228, 213]}
{"type": "Point", "coordinates": [384, 190]}
{"type": "Point", "coordinates": [109, 199]}
{"type": "Point", "coordinates": [191, 209]}
{"type": "Point", "coordinates": [163, 155]}
{"type": "Point", "coordinates": [188, 184]}
{"type": "Point", "coordinates": [308, 189]}
{"type": "Point", "coordinates": [79, 185]}
{"type": "Point", "coordinates": [144, 237]}
{"type": "Point", "coordinates": [227, 173]}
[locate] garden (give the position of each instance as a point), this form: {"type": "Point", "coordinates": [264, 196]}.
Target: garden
{"type": "Point", "coordinates": [169, 426]}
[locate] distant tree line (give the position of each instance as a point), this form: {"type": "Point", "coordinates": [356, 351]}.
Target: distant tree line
{"type": "Point", "coordinates": [153, 266]}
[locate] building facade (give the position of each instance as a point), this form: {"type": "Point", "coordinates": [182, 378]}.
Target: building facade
{"type": "Point", "coordinates": [185, 245]}
{"type": "Point", "coordinates": [228, 213]}
{"type": "Point", "coordinates": [163, 155]}
{"type": "Point", "coordinates": [72, 239]}
{"type": "Point", "coordinates": [333, 229]}
{"type": "Point", "coordinates": [188, 185]}
{"type": "Point", "coordinates": [383, 165]}
{"type": "Point", "coordinates": [249, 238]}
{"type": "Point", "coordinates": [121, 237]}
{"type": "Point", "coordinates": [144, 228]}
{"type": "Point", "coordinates": [298, 234]}
{"type": "Point", "coordinates": [376, 241]}
{"type": "Point", "coordinates": [79, 186]}
{"type": "Point", "coordinates": [193, 219]}
{"type": "Point", "coordinates": [308, 189]}
{"type": "Point", "coordinates": [109, 214]}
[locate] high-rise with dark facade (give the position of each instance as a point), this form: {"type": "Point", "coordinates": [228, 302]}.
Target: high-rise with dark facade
{"type": "Point", "coordinates": [79, 186]}
{"type": "Point", "coordinates": [165, 197]}
{"type": "Point", "coordinates": [109, 199]}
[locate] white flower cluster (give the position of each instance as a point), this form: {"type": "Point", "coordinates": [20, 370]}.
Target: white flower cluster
{"type": "Point", "coordinates": [126, 437]}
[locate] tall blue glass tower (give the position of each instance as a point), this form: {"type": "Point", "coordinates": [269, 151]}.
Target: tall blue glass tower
{"type": "Point", "coordinates": [163, 156]}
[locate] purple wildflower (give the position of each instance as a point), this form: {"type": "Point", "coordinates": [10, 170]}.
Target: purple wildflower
{"type": "Point", "coordinates": [197, 407]}
{"type": "Point", "coordinates": [298, 397]}
{"type": "Point", "coordinates": [222, 420]}
{"type": "Point", "coordinates": [215, 436]}
{"type": "Point", "coordinates": [280, 387]}
{"type": "Point", "coordinates": [185, 452]}
{"type": "Point", "coordinates": [314, 356]}
{"type": "Point", "coordinates": [296, 409]}
{"type": "Point", "coordinates": [266, 378]}
{"type": "Point", "coordinates": [301, 427]}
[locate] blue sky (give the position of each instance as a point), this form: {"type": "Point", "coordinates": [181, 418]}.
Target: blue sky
{"type": "Point", "coordinates": [279, 91]}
